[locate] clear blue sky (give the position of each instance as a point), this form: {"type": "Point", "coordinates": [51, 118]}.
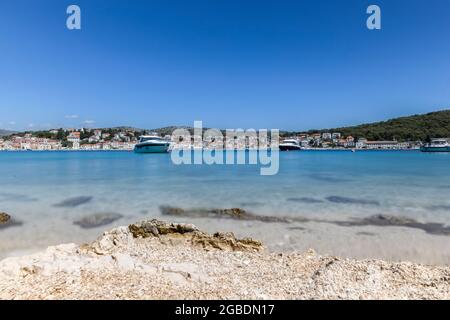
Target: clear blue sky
{"type": "Point", "coordinates": [247, 63]}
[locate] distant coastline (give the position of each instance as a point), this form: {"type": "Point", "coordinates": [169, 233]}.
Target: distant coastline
{"type": "Point", "coordinates": [208, 149]}
{"type": "Point", "coordinates": [397, 134]}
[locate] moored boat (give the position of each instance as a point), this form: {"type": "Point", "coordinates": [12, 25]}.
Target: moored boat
{"type": "Point", "coordinates": [436, 145]}
{"type": "Point", "coordinates": [152, 144]}
{"type": "Point", "coordinates": [290, 145]}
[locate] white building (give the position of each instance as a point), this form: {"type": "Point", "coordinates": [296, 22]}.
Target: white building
{"type": "Point", "coordinates": [382, 145]}
{"type": "Point", "coordinates": [94, 139]}
{"type": "Point", "coordinates": [335, 135]}
{"type": "Point", "coordinates": [304, 143]}
{"type": "Point", "coordinates": [98, 133]}
{"type": "Point", "coordinates": [74, 138]}
{"type": "Point", "coordinates": [326, 136]}
{"type": "Point", "coordinates": [361, 143]}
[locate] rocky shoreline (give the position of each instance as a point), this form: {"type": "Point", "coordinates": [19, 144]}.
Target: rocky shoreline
{"type": "Point", "coordinates": [158, 260]}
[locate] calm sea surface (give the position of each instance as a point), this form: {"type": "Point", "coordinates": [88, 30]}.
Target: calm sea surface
{"type": "Point", "coordinates": [330, 185]}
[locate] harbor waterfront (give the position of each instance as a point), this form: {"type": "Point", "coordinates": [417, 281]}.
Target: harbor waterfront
{"type": "Point", "coordinates": [126, 139]}
{"type": "Point", "coordinates": [391, 205]}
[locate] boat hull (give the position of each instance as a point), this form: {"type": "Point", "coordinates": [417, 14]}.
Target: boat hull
{"type": "Point", "coordinates": [435, 149]}
{"type": "Point", "coordinates": [152, 148]}
{"type": "Point", "coordinates": [289, 148]}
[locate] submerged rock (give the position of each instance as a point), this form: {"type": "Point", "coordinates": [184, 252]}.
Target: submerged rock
{"type": "Point", "coordinates": [327, 178]}
{"type": "Point", "coordinates": [237, 213]}
{"type": "Point", "coordinates": [5, 196]}
{"type": "Point", "coordinates": [443, 207]}
{"type": "Point", "coordinates": [345, 200]}
{"type": "Point", "coordinates": [392, 221]}
{"type": "Point", "coordinates": [386, 220]}
{"type": "Point", "coordinates": [305, 200]}
{"type": "Point", "coordinates": [74, 202]}
{"type": "Point", "coordinates": [97, 220]}
{"type": "Point", "coordinates": [251, 204]}
{"type": "Point", "coordinates": [233, 213]}
{"type": "Point", "coordinates": [192, 235]}
{"type": "Point", "coordinates": [6, 221]}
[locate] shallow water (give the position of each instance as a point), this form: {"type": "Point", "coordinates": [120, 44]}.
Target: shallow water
{"type": "Point", "coordinates": [37, 188]}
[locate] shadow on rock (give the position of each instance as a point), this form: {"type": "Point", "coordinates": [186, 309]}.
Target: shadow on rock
{"type": "Point", "coordinates": [74, 202]}
{"type": "Point", "coordinates": [97, 220]}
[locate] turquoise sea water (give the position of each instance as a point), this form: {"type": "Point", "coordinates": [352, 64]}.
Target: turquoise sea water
{"type": "Point", "coordinates": [309, 184]}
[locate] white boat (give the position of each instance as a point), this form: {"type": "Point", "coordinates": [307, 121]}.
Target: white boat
{"type": "Point", "coordinates": [436, 145]}
{"type": "Point", "coordinates": [290, 145]}
{"type": "Point", "coordinates": [152, 144]}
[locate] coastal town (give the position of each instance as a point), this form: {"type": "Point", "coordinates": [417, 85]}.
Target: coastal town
{"type": "Point", "coordinates": [69, 139]}
{"type": "Point", "coordinates": [126, 138]}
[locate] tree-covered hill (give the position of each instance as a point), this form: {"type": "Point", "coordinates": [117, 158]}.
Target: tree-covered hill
{"type": "Point", "coordinates": [411, 128]}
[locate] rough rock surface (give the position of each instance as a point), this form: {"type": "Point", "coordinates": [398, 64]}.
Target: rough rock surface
{"type": "Point", "coordinates": [6, 221]}
{"type": "Point", "coordinates": [4, 217]}
{"type": "Point", "coordinates": [158, 260]}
